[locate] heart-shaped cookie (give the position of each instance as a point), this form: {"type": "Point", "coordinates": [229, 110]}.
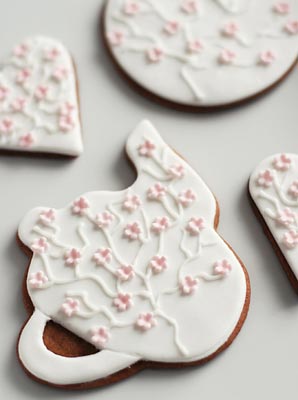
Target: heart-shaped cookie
{"type": "Point", "coordinates": [39, 107]}
{"type": "Point", "coordinates": [141, 274]}
{"type": "Point", "coordinates": [274, 190]}
{"type": "Point", "coordinates": [202, 54]}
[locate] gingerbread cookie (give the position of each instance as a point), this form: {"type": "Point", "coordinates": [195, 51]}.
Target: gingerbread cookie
{"type": "Point", "coordinates": [202, 54]}
{"type": "Point", "coordinates": [140, 274]}
{"type": "Point", "coordinates": [273, 188]}
{"type": "Point", "coordinates": [39, 107]}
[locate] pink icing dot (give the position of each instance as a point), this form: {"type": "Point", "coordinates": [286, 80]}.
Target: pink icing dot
{"type": "Point", "coordinates": [155, 54]}
{"type": "Point", "coordinates": [123, 302]}
{"type": "Point", "coordinates": [171, 27]}
{"type": "Point", "coordinates": [102, 257]}
{"type": "Point", "coordinates": [125, 273]}
{"type": "Point", "coordinates": [47, 217]}
{"type": "Point", "coordinates": [195, 46]}
{"type": "Point", "coordinates": [18, 104]}
{"type": "Point", "coordinates": [160, 224]}
{"type": "Point", "coordinates": [7, 126]}
{"type": "Point", "coordinates": [80, 206]}
{"type": "Point", "coordinates": [292, 27]}
{"type": "Point", "coordinates": [286, 217]}
{"type": "Point", "coordinates": [146, 149]}
{"type": "Point", "coordinates": [21, 51]}
{"type": "Point", "coordinates": [146, 321]}
{"type": "Point", "coordinates": [158, 264]}
{"type": "Point", "coordinates": [290, 239]}
{"type": "Point", "coordinates": [282, 162]}
{"type": "Point", "coordinates": [4, 91]}
{"type": "Point", "coordinates": [265, 179]}
{"type": "Point", "coordinates": [195, 226]}
{"type": "Point", "coordinates": [116, 38]}
{"type": "Point", "coordinates": [51, 54]}
{"type": "Point", "coordinates": [40, 245]}
{"type": "Point", "coordinates": [27, 140]}
{"type": "Point", "coordinates": [131, 203]}
{"type": "Point", "coordinates": [23, 76]}
{"type": "Point", "coordinates": [66, 123]}
{"type": "Point", "coordinates": [190, 6]}
{"type": "Point", "coordinates": [132, 231]}
{"type": "Point", "coordinates": [282, 8]}
{"type": "Point", "coordinates": [156, 192]}
{"type": "Point", "coordinates": [70, 307]}
{"type": "Point", "coordinates": [37, 280]}
{"type": "Point", "coordinates": [104, 220]}
{"type": "Point", "coordinates": [60, 73]}
{"type": "Point", "coordinates": [293, 189]}
{"type": "Point", "coordinates": [188, 285]}
{"type": "Point", "coordinates": [222, 267]}
{"type": "Point", "coordinates": [100, 336]}
{"type": "Point", "coordinates": [41, 92]}
{"type": "Point", "coordinates": [72, 257]}
{"type": "Point", "coordinates": [267, 57]}
{"type": "Point", "coordinates": [131, 8]}
{"type": "Point", "coordinates": [226, 57]}
{"type": "Point", "coordinates": [187, 197]}
{"type": "Point", "coordinates": [230, 29]}
{"type": "Point", "coordinates": [176, 171]}
{"type": "Point", "coordinates": [66, 109]}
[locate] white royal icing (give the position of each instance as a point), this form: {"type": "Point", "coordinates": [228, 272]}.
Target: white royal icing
{"type": "Point", "coordinates": [39, 110]}
{"type": "Point", "coordinates": [274, 189]}
{"type": "Point", "coordinates": [203, 52]}
{"type": "Point", "coordinates": [141, 273]}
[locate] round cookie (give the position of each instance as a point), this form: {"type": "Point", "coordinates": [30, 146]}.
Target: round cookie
{"type": "Point", "coordinates": [202, 54]}
{"type": "Point", "coordinates": [140, 274]}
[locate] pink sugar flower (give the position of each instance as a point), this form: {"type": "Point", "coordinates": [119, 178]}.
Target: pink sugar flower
{"type": "Point", "coordinates": [123, 302]}
{"type": "Point", "coordinates": [265, 179]}
{"type": "Point", "coordinates": [26, 141]}
{"type": "Point", "coordinates": [187, 197]}
{"type": "Point", "coordinates": [131, 203]}
{"type": "Point", "coordinates": [285, 217]}
{"type": "Point", "coordinates": [226, 57]}
{"type": "Point", "coordinates": [47, 217]}
{"type": "Point", "coordinates": [51, 54]}
{"type": "Point", "coordinates": [72, 257]}
{"type": "Point", "coordinates": [160, 224]}
{"type": "Point", "coordinates": [188, 285]}
{"type": "Point", "coordinates": [66, 123]}
{"type": "Point", "coordinates": [37, 280]}
{"type": "Point", "coordinates": [195, 226]}
{"type": "Point", "coordinates": [222, 267]}
{"type": "Point", "coordinates": [282, 7]}
{"type": "Point", "coordinates": [125, 273]}
{"type": "Point", "coordinates": [230, 29]}
{"type": "Point", "coordinates": [100, 336]}
{"type": "Point", "coordinates": [156, 192]}
{"type": "Point", "coordinates": [40, 245]}
{"type": "Point", "coordinates": [293, 190]}
{"type": "Point", "coordinates": [66, 109]}
{"type": "Point", "coordinates": [104, 220]}
{"type": "Point", "coordinates": [292, 27]}
{"type": "Point", "coordinates": [80, 206]}
{"type": "Point", "coordinates": [158, 264]}
{"type": "Point", "coordinates": [176, 171]}
{"type": "Point", "coordinates": [155, 54]}
{"type": "Point", "coordinates": [171, 27]}
{"type": "Point", "coordinates": [131, 8]}
{"type": "Point", "coordinates": [70, 307]}
{"type": "Point", "coordinates": [102, 257]}
{"type": "Point", "coordinates": [290, 239]}
{"type": "Point", "coordinates": [132, 231]}
{"type": "Point", "coordinates": [267, 57]}
{"type": "Point", "coordinates": [190, 6]}
{"type": "Point", "coordinates": [4, 91]}
{"type": "Point", "coordinates": [21, 51]}
{"type": "Point", "coordinates": [23, 76]}
{"type": "Point", "coordinates": [194, 46]}
{"type": "Point", "coordinates": [146, 149]}
{"type": "Point", "coordinates": [18, 104]}
{"type": "Point", "coordinates": [60, 73]}
{"type": "Point", "coordinates": [146, 321]}
{"type": "Point", "coordinates": [7, 126]}
{"type": "Point", "coordinates": [41, 92]}
{"type": "Point", "coordinates": [282, 162]}
{"type": "Point", "coordinates": [116, 38]}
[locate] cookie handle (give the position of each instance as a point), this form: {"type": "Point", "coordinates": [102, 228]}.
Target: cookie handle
{"type": "Point", "coordinates": [62, 371]}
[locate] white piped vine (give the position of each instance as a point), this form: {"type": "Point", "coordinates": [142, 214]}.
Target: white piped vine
{"type": "Point", "coordinates": [155, 43]}
{"type": "Point", "coordinates": [128, 220]}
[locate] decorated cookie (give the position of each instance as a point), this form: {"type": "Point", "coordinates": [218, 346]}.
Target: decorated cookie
{"type": "Point", "coordinates": [274, 190]}
{"type": "Point", "coordinates": [39, 107]}
{"type": "Point", "coordinates": [202, 53]}
{"type": "Point", "coordinates": [139, 274]}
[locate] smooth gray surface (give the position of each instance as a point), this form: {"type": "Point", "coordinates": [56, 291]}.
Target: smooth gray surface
{"type": "Point", "coordinates": [223, 148]}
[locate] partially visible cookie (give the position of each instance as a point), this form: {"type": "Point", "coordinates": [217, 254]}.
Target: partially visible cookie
{"type": "Point", "coordinates": [201, 55]}
{"type": "Point", "coordinates": [273, 188]}
{"type": "Point", "coordinates": [39, 104]}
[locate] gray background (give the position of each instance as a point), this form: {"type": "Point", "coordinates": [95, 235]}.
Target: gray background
{"type": "Point", "coordinates": [223, 148]}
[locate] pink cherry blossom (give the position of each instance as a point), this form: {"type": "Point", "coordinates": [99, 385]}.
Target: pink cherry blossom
{"type": "Point", "coordinates": [160, 224]}
{"type": "Point", "coordinates": [195, 226]}
{"type": "Point", "coordinates": [188, 285]}
{"type": "Point", "coordinates": [290, 239]}
{"type": "Point", "coordinates": [37, 280]}
{"type": "Point", "coordinates": [267, 57]}
{"type": "Point", "coordinates": [176, 171]}
{"type": "Point", "coordinates": [158, 264]}
{"type": "Point", "coordinates": [47, 217]}
{"type": "Point", "coordinates": [125, 273]}
{"type": "Point", "coordinates": [66, 123]}
{"type": "Point", "coordinates": [41, 92]}
{"type": "Point", "coordinates": [72, 257]}
{"type": "Point", "coordinates": [104, 220]}
{"type": "Point", "coordinates": [230, 29]}
{"type": "Point", "coordinates": [156, 192]}
{"type": "Point", "coordinates": [131, 7]}
{"type": "Point", "coordinates": [80, 206]}
{"type": "Point", "coordinates": [18, 104]}
{"type": "Point", "coordinates": [66, 109]}
{"type": "Point", "coordinates": [146, 321]}
{"type": "Point", "coordinates": [131, 203]}
{"type": "Point", "coordinates": [70, 307]}
{"type": "Point", "coordinates": [4, 91]}
{"type": "Point", "coordinates": [226, 56]}
{"type": "Point", "coordinates": [22, 76]}
{"type": "Point", "coordinates": [132, 231]}
{"type": "Point", "coordinates": [155, 54]}
{"type": "Point", "coordinates": [40, 245]}
{"type": "Point", "coordinates": [60, 73]}
{"type": "Point", "coordinates": [102, 257]}
{"type": "Point", "coordinates": [286, 217]}
{"type": "Point", "coordinates": [7, 126]}
{"type": "Point", "coordinates": [293, 189]}
{"type": "Point", "coordinates": [282, 162]}
{"type": "Point", "coordinates": [51, 54]}
{"type": "Point", "coordinates": [146, 149]}
{"type": "Point", "coordinates": [282, 7]}
{"type": "Point", "coordinates": [27, 140]}
{"type": "Point", "coordinates": [194, 46]}
{"type": "Point", "coordinates": [171, 27]}
{"type": "Point", "coordinates": [123, 302]}
{"type": "Point", "coordinates": [292, 27]}
{"type": "Point", "coordinates": [190, 6]}
{"type": "Point", "coordinates": [116, 38]}
{"type": "Point", "coordinates": [21, 51]}
{"type": "Point", "coordinates": [187, 197]}
{"type": "Point", "coordinates": [100, 336]}
{"type": "Point", "coordinates": [265, 179]}
{"type": "Point", "coordinates": [222, 267]}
